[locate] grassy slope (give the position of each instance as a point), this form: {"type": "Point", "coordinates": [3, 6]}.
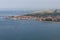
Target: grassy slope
{"type": "Point", "coordinates": [44, 14]}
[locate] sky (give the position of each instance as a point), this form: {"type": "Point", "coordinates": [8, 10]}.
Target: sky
{"type": "Point", "coordinates": [29, 4]}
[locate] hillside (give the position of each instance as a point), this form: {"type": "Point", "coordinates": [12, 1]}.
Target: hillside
{"type": "Point", "coordinates": [45, 13]}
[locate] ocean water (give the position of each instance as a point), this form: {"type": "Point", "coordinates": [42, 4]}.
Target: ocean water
{"type": "Point", "coordinates": [29, 30]}
{"type": "Point", "coordinates": [14, 12]}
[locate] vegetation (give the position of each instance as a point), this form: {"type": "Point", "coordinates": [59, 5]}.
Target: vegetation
{"type": "Point", "coordinates": [55, 13]}
{"type": "Point", "coordinates": [44, 14]}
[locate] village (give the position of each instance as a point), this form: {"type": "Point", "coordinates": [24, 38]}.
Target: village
{"type": "Point", "coordinates": [53, 15]}
{"type": "Point", "coordinates": [48, 18]}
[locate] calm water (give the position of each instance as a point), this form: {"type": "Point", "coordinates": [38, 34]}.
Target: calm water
{"type": "Point", "coordinates": [28, 30]}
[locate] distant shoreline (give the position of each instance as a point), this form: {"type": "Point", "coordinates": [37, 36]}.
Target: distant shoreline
{"type": "Point", "coordinates": [46, 15]}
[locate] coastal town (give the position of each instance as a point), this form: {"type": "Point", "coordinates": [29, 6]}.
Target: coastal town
{"type": "Point", "coordinates": [54, 15]}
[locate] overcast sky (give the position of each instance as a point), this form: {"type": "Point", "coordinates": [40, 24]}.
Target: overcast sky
{"type": "Point", "coordinates": [29, 4]}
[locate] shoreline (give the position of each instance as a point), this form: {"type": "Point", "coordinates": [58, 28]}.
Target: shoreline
{"type": "Point", "coordinates": [42, 15]}
{"type": "Point", "coordinates": [48, 18]}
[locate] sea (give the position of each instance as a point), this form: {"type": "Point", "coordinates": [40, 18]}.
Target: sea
{"type": "Point", "coordinates": [27, 29]}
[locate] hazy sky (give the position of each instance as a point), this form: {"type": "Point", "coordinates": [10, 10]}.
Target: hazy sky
{"type": "Point", "coordinates": [29, 4]}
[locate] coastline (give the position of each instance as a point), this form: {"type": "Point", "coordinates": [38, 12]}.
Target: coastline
{"type": "Point", "coordinates": [46, 15]}
{"type": "Point", "coordinates": [48, 18]}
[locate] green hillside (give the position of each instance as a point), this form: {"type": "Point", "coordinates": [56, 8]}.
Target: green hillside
{"type": "Point", "coordinates": [55, 13]}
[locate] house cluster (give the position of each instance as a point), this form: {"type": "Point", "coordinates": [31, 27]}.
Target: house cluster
{"type": "Point", "coordinates": [48, 18]}
{"type": "Point", "coordinates": [20, 17]}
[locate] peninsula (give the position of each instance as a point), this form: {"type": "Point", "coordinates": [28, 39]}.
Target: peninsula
{"type": "Point", "coordinates": [41, 15]}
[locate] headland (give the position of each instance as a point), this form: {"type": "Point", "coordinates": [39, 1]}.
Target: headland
{"type": "Point", "coordinates": [41, 15]}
